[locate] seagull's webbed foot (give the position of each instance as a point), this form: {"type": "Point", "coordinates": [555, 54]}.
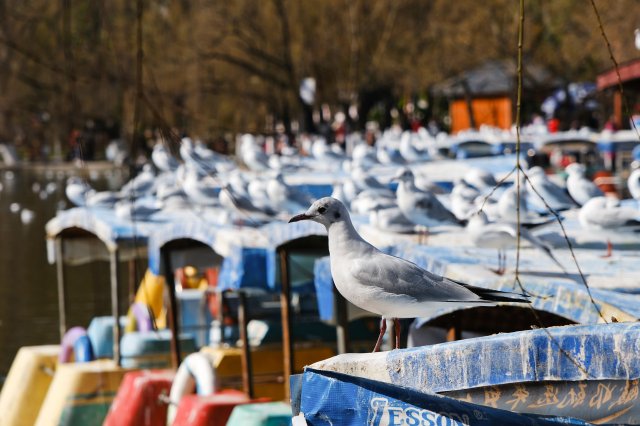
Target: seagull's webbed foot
{"type": "Point", "coordinates": [383, 329]}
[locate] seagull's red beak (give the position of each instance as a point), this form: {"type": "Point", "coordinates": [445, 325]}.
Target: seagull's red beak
{"type": "Point", "coordinates": [299, 217]}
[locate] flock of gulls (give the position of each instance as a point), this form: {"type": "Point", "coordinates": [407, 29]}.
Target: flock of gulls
{"type": "Point", "coordinates": [382, 185]}
{"type": "Point", "coordinates": [256, 188]}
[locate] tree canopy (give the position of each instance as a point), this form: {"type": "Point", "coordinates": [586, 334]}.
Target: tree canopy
{"type": "Point", "coordinates": [208, 67]}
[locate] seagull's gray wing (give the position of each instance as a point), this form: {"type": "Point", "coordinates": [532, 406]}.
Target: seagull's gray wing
{"type": "Point", "coordinates": [429, 205]}
{"type": "Point", "coordinates": [241, 202]}
{"type": "Point", "coordinates": [399, 277]}
{"type": "Point", "coordinates": [555, 196]}
{"type": "Point", "coordinates": [582, 190]}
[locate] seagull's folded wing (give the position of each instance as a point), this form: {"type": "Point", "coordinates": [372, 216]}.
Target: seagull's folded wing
{"type": "Point", "coordinates": [395, 276]}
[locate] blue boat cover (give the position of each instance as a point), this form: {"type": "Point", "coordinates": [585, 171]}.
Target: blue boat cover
{"type": "Point", "coordinates": [328, 398]}
{"type": "Point", "coordinates": [103, 223]}
{"type": "Point", "coordinates": [251, 265]}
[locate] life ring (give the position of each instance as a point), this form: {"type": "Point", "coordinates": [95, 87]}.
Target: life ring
{"type": "Point", "coordinates": [195, 370]}
{"type": "Point", "coordinates": [76, 341]}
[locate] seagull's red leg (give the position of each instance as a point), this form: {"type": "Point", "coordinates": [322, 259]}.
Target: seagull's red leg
{"type": "Point", "coordinates": [609, 250]}
{"type": "Point", "coordinates": [500, 269]}
{"type": "Point", "coordinates": [383, 329]}
{"type": "Point", "coordinates": [396, 324]}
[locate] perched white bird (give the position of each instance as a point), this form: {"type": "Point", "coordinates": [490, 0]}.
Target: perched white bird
{"type": "Point", "coordinates": [286, 197]}
{"type": "Point", "coordinates": [140, 185]}
{"type": "Point", "coordinates": [480, 179]}
{"type": "Point", "coordinates": [580, 188]}
{"type": "Point", "coordinates": [462, 199]}
{"type": "Point", "coordinates": [321, 151]}
{"type": "Point", "coordinates": [163, 159]}
{"type": "Point", "coordinates": [605, 216]}
{"type": "Point", "coordinates": [241, 205]}
{"type": "Point", "coordinates": [502, 236]}
{"type": "Point", "coordinates": [386, 285]}
{"type": "Point", "coordinates": [421, 207]}
{"type": "Point", "coordinates": [368, 200]}
{"type": "Point", "coordinates": [556, 197]}
{"type": "Point", "coordinates": [391, 219]}
{"type": "Point", "coordinates": [365, 182]}
{"type": "Point", "coordinates": [201, 189]}
{"type": "Point", "coordinates": [252, 155]}
{"type": "Point", "coordinates": [76, 190]}
{"type": "Point", "coordinates": [408, 151]}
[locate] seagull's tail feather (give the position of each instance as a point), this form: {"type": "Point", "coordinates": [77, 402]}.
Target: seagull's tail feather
{"type": "Point", "coordinates": [490, 295]}
{"type": "Point", "coordinates": [541, 224]}
{"type": "Point", "coordinates": [538, 243]}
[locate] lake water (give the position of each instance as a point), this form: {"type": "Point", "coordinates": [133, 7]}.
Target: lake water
{"type": "Point", "coordinates": [28, 291]}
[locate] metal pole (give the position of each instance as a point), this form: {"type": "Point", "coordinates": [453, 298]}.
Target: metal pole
{"type": "Point", "coordinates": [247, 371]}
{"type": "Point", "coordinates": [173, 310]}
{"type": "Point", "coordinates": [62, 308]}
{"type": "Point", "coordinates": [342, 323]}
{"type": "Point", "coordinates": [285, 309]}
{"type": "Point", "coordinates": [115, 303]}
{"type": "Point", "coordinates": [132, 280]}
{"type": "Point", "coordinates": [220, 317]}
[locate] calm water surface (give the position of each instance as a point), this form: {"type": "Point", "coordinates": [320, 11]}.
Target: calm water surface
{"type": "Point", "coordinates": [28, 291]}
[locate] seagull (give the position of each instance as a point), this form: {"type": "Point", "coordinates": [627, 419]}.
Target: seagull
{"type": "Point", "coordinates": [163, 159]}
{"type": "Point", "coordinates": [480, 179]}
{"type": "Point", "coordinates": [391, 219]}
{"type": "Point", "coordinates": [290, 198]}
{"type": "Point", "coordinates": [387, 285]}
{"type": "Point", "coordinates": [193, 157]}
{"type": "Point", "coordinates": [200, 188]}
{"type": "Point", "coordinates": [140, 185]}
{"type": "Point", "coordinates": [421, 207]}
{"type": "Point", "coordinates": [604, 214]}
{"type": "Point", "coordinates": [462, 199]}
{"type": "Point", "coordinates": [502, 236]}
{"type": "Point", "coordinates": [241, 204]}
{"type": "Point", "coordinates": [252, 155]}
{"type": "Point", "coordinates": [409, 151]}
{"type": "Point", "coordinates": [77, 190]}
{"type": "Point", "coordinates": [580, 188]}
{"type": "Point", "coordinates": [556, 197]}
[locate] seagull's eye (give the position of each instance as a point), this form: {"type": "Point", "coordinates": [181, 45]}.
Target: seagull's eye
{"type": "Point", "coordinates": [321, 210]}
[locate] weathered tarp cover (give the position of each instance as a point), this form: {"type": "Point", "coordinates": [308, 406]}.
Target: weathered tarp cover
{"type": "Point", "coordinates": [327, 398]}
{"type": "Point", "coordinates": [102, 222]}
{"type": "Point", "coordinates": [250, 254]}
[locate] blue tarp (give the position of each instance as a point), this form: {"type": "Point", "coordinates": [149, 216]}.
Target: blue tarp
{"type": "Point", "coordinates": [586, 371]}
{"type": "Point", "coordinates": [327, 398]}
{"type": "Point", "coordinates": [569, 353]}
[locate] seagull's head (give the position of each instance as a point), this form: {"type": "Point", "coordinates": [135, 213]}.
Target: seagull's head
{"type": "Point", "coordinates": [325, 211]}
{"type": "Point", "coordinates": [403, 175]}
